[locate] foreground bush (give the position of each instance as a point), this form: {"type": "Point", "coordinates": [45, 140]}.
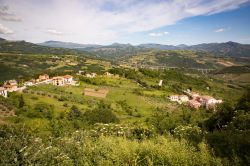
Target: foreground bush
{"type": "Point", "coordinates": [80, 149]}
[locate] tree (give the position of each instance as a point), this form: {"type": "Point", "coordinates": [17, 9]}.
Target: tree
{"type": "Point", "coordinates": [45, 110]}
{"type": "Point", "coordinates": [102, 114]}
{"type": "Point", "coordinates": [74, 113]}
{"type": "Point", "coordinates": [222, 117]}
{"type": "Point", "coordinates": [21, 102]}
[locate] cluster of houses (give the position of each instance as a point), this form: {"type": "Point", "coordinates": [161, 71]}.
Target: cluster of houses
{"type": "Point", "coordinates": [195, 100]}
{"type": "Point", "coordinates": [12, 85]}
{"type": "Point", "coordinates": [58, 80]}
{"type": "Point", "coordinates": [93, 75]}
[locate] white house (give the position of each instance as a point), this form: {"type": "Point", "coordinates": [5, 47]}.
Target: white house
{"type": "Point", "coordinates": [179, 98]}
{"type": "Point", "coordinates": [59, 81]}
{"type": "Point", "coordinates": [210, 102]}
{"type": "Point", "coordinates": [68, 79]}
{"type": "Point", "coordinates": [28, 83]}
{"type": "Point", "coordinates": [183, 98]}
{"type": "Point", "coordinates": [174, 98]}
{"type": "Point", "coordinates": [3, 92]}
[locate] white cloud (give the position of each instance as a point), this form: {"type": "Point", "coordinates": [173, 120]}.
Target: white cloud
{"type": "Point", "coordinates": [6, 15]}
{"type": "Point", "coordinates": [158, 34]}
{"type": "Point", "coordinates": [53, 32]}
{"type": "Point", "coordinates": [105, 21]}
{"type": "Point", "coordinates": [220, 30]}
{"type": "Point", "coordinates": [5, 30]}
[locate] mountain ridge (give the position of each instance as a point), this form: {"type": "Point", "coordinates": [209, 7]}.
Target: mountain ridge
{"type": "Point", "coordinates": [229, 48]}
{"type": "Point", "coordinates": [116, 50]}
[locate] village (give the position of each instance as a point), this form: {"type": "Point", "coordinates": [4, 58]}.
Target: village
{"type": "Point", "coordinates": [192, 99]}
{"type": "Point", "coordinates": [195, 100]}
{"type": "Point", "coordinates": [66, 80]}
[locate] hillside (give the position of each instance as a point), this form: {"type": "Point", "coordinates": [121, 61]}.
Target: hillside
{"type": "Point", "coordinates": [23, 47]}
{"type": "Point", "coordinates": [117, 50]}
{"type": "Point", "coordinates": [183, 59]}
{"type": "Point", "coordinates": [226, 49]}
{"type": "Point", "coordinates": [70, 45]}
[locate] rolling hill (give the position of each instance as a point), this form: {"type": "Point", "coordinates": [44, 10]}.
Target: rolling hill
{"type": "Point", "coordinates": [117, 50]}
{"type": "Point", "coordinates": [183, 59]}
{"type": "Point", "coordinates": [23, 47]}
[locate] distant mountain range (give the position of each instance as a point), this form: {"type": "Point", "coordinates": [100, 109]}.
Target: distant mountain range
{"type": "Point", "coordinates": [23, 47]}
{"type": "Point", "coordinates": [71, 45]}
{"type": "Point", "coordinates": [117, 50]}
{"type": "Point", "coordinates": [226, 49]}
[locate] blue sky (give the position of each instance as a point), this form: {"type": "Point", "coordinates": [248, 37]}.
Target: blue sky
{"type": "Point", "coordinates": [129, 21]}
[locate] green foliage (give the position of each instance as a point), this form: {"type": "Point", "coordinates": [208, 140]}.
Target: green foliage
{"type": "Point", "coordinates": [179, 60]}
{"type": "Point", "coordinates": [43, 110]}
{"type": "Point", "coordinates": [123, 130]}
{"type": "Point", "coordinates": [30, 48]}
{"type": "Point", "coordinates": [244, 102]}
{"type": "Point", "coordinates": [222, 117]}
{"type": "Point", "coordinates": [232, 145]}
{"type": "Point", "coordinates": [93, 81]}
{"type": "Point", "coordinates": [6, 103]}
{"type": "Point", "coordinates": [231, 132]}
{"type": "Point", "coordinates": [19, 148]}
{"type": "Point", "coordinates": [163, 122]}
{"type": "Point", "coordinates": [192, 134]}
{"type": "Point", "coordinates": [102, 114]}
{"type": "Point", "coordinates": [234, 70]}
{"type": "Point", "coordinates": [74, 113]}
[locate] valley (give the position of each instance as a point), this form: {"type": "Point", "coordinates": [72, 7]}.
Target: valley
{"type": "Point", "coordinates": [122, 99]}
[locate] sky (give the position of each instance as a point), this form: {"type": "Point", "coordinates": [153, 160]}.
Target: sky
{"type": "Point", "coordinates": [170, 22]}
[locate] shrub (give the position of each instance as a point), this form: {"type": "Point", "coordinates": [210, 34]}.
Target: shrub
{"type": "Point", "coordinates": [102, 114]}
{"type": "Point", "coordinates": [74, 113]}
{"type": "Point", "coordinates": [192, 134]}
{"type": "Point", "coordinates": [45, 110]}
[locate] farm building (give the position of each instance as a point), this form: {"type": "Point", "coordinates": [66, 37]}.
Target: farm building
{"type": "Point", "coordinates": [43, 77]}
{"type": "Point", "coordinates": [210, 102]}
{"type": "Point", "coordinates": [59, 81]}
{"type": "Point", "coordinates": [10, 85]}
{"type": "Point", "coordinates": [28, 83]}
{"type": "Point", "coordinates": [68, 79]}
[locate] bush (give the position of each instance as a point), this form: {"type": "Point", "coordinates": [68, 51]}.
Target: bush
{"type": "Point", "coordinates": [74, 113]}
{"type": "Point", "coordinates": [102, 114]}
{"type": "Point", "coordinates": [44, 110]}
{"type": "Point", "coordinates": [192, 134]}
{"type": "Point", "coordinates": [78, 149]}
